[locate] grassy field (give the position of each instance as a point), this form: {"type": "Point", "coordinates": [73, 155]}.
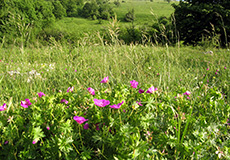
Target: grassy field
{"type": "Point", "coordinates": [77, 27]}
{"type": "Point", "coordinates": [60, 66]}
{"type": "Point", "coordinates": [159, 102]}
{"type": "Point", "coordinates": [187, 115]}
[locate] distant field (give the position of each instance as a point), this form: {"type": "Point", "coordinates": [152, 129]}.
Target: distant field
{"type": "Point", "coordinates": [143, 9]}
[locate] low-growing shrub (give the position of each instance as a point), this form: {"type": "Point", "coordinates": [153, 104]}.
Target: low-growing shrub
{"type": "Point", "coordinates": [118, 122]}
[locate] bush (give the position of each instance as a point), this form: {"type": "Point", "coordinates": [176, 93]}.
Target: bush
{"type": "Point", "coordinates": [130, 16]}
{"type": "Point", "coordinates": [195, 20]}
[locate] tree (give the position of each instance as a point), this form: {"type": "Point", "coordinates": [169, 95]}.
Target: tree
{"type": "Point", "coordinates": [59, 11]}
{"type": "Point", "coordinates": [196, 19]}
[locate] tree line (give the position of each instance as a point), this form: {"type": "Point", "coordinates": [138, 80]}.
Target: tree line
{"type": "Point", "coordinates": [192, 23]}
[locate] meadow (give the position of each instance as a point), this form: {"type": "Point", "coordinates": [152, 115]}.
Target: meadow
{"type": "Point", "coordinates": [97, 100]}
{"type": "Point", "coordinates": [184, 117]}
{"type": "Point", "coordinates": [145, 12]}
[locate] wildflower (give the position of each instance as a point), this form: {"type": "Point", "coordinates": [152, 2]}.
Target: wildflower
{"type": "Point", "coordinates": [151, 90]}
{"type": "Point", "coordinates": [64, 101]}
{"type": "Point", "coordinates": [134, 84]}
{"type": "Point", "coordinates": [217, 70]}
{"type": "Point", "coordinates": [207, 69]}
{"type": "Point", "coordinates": [105, 80]}
{"type": "Point", "coordinates": [40, 94]}
{"type": "Point", "coordinates": [2, 108]}
{"type": "Point", "coordinates": [117, 106]}
{"type": "Point", "coordinates": [75, 70]}
{"type": "Point", "coordinates": [139, 103]}
{"type": "Point", "coordinates": [141, 91]}
{"type": "Point", "coordinates": [91, 91]}
{"type": "Point", "coordinates": [188, 97]}
{"type": "Point", "coordinates": [86, 126]}
{"type": "Point", "coordinates": [97, 127]}
{"type": "Point", "coordinates": [48, 128]}
{"type": "Point", "coordinates": [187, 93]}
{"type": "Point", "coordinates": [101, 102]}
{"type": "Point", "coordinates": [70, 89]}
{"type": "Point", "coordinates": [34, 141]}
{"type": "Point", "coordinates": [80, 120]}
{"type": "Point", "coordinates": [6, 142]}
{"type": "Point", "coordinates": [225, 67]}
{"type": "Point", "coordinates": [25, 103]}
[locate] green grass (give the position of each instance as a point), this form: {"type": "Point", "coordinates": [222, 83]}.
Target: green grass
{"type": "Point", "coordinates": [143, 10]}
{"type": "Point", "coordinates": [121, 63]}
{"type": "Point", "coordinates": [78, 27]}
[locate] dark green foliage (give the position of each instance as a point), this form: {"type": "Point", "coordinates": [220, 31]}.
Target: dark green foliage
{"type": "Point", "coordinates": [199, 19]}
{"type": "Point", "coordinates": [59, 11]}
{"type": "Point", "coordinates": [99, 9]}
{"type": "Point", "coordinates": [22, 20]}
{"type": "Point", "coordinates": [130, 16]}
{"type": "Point", "coordinates": [117, 3]}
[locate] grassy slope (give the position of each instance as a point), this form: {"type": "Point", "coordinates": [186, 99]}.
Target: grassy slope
{"type": "Point", "coordinates": [121, 63]}
{"type": "Point", "coordinates": [79, 26]}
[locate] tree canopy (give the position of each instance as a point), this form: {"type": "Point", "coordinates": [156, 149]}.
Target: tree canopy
{"type": "Point", "coordinates": [199, 19]}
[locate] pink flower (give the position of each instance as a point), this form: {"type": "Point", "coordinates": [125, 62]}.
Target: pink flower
{"type": "Point", "coordinates": [64, 101]}
{"type": "Point", "coordinates": [75, 70]}
{"type": "Point", "coordinates": [91, 91]}
{"type": "Point", "coordinates": [70, 89]}
{"type": "Point", "coordinates": [25, 103]}
{"type": "Point", "coordinates": [139, 103]}
{"type": "Point", "coordinates": [6, 142]}
{"type": "Point", "coordinates": [80, 120]}
{"type": "Point", "coordinates": [2, 108]}
{"type": "Point", "coordinates": [97, 127]}
{"type": "Point", "coordinates": [134, 84]}
{"type": "Point", "coordinates": [40, 94]}
{"type": "Point", "coordinates": [187, 93]}
{"type": "Point", "coordinates": [105, 80]}
{"type": "Point", "coordinates": [215, 72]}
{"type": "Point", "coordinates": [48, 128]}
{"type": "Point", "coordinates": [34, 142]}
{"type": "Point", "coordinates": [207, 69]}
{"type": "Point", "coordinates": [116, 106]}
{"type": "Point", "coordinates": [86, 126]}
{"type": "Point", "coordinates": [141, 91]}
{"type": "Point", "coordinates": [225, 67]}
{"type": "Point", "coordinates": [101, 102]}
{"type": "Point", "coordinates": [151, 90]}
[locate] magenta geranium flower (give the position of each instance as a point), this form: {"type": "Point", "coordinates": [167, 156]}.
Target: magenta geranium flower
{"type": "Point", "coordinates": [86, 126]}
{"type": "Point", "coordinates": [2, 108]}
{"type": "Point", "coordinates": [151, 90]}
{"type": "Point", "coordinates": [40, 94]}
{"type": "Point", "coordinates": [101, 102]}
{"type": "Point", "coordinates": [105, 80]}
{"type": "Point", "coordinates": [116, 106]}
{"type": "Point", "coordinates": [25, 103]}
{"type": "Point", "coordinates": [70, 89]}
{"type": "Point", "coordinates": [187, 93]}
{"type": "Point", "coordinates": [134, 84]}
{"type": "Point", "coordinates": [64, 101]}
{"type": "Point", "coordinates": [139, 103]}
{"type": "Point", "coordinates": [91, 91]}
{"type": "Point", "coordinates": [141, 91]}
{"type": "Point", "coordinates": [80, 120]}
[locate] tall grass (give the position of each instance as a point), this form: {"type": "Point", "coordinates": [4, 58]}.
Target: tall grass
{"type": "Point", "coordinates": [57, 67]}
